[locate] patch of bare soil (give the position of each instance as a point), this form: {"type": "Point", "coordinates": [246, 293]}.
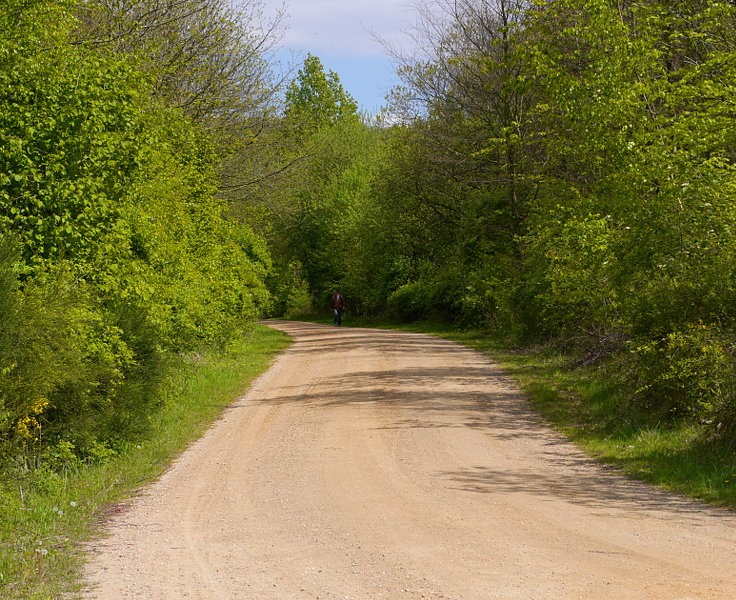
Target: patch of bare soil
{"type": "Point", "coordinates": [375, 464]}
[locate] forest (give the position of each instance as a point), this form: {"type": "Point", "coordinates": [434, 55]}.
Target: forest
{"type": "Point", "coordinates": [555, 173]}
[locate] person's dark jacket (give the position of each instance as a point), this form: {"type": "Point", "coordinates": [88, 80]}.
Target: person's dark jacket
{"type": "Point", "coordinates": [337, 301]}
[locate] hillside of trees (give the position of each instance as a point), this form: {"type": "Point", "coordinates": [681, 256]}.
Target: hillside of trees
{"type": "Point", "coordinates": [550, 172]}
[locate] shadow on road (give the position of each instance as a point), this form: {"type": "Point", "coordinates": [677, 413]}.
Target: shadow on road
{"type": "Point", "coordinates": [470, 392]}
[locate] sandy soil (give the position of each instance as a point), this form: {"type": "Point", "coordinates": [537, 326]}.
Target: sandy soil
{"type": "Point", "coordinates": [374, 464]}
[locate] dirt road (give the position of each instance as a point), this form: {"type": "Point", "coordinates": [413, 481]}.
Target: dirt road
{"type": "Point", "coordinates": [374, 464]}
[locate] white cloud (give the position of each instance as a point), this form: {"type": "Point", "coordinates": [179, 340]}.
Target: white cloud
{"type": "Point", "coordinates": [342, 26]}
{"type": "Point", "coordinates": [342, 34]}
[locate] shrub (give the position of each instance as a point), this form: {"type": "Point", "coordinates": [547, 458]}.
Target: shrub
{"type": "Point", "coordinates": [690, 372]}
{"type": "Point", "coordinates": [410, 302]}
{"type": "Point", "coordinates": [123, 254]}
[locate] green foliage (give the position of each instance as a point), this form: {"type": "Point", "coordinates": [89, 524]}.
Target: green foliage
{"type": "Point", "coordinates": [410, 302]}
{"type": "Point", "coordinates": [318, 222]}
{"type": "Point", "coordinates": [628, 132]}
{"type": "Point", "coordinates": [317, 99]}
{"type": "Point", "coordinates": [63, 368]}
{"type": "Point", "coordinates": [572, 258]}
{"type": "Point", "coordinates": [116, 251]}
{"type": "Point", "coordinates": [694, 371]}
{"type": "Point", "coordinates": [290, 291]}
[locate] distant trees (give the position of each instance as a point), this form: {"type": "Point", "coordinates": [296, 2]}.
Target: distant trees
{"type": "Point", "coordinates": [315, 99]}
{"type": "Point", "coordinates": [311, 209]}
{"type": "Point", "coordinates": [454, 187]}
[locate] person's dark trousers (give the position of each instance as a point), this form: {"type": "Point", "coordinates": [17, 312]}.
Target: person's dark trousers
{"type": "Point", "coordinates": [338, 315]}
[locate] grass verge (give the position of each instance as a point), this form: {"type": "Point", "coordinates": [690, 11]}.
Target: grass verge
{"type": "Point", "coordinates": [593, 407]}
{"type": "Point", "coordinates": [47, 515]}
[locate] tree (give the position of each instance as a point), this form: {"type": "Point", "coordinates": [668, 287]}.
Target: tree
{"type": "Point", "coordinates": [316, 99]}
{"type": "Point", "coordinates": [462, 187]}
{"type": "Point", "coordinates": [207, 56]}
{"type": "Point", "coordinates": [302, 209]}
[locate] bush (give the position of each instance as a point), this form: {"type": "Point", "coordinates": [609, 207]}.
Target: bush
{"type": "Point", "coordinates": [491, 298]}
{"type": "Point", "coordinates": [290, 295]}
{"type": "Point", "coordinates": [66, 371]}
{"type": "Point", "coordinates": [410, 302]}
{"type": "Point", "coordinates": [691, 373]}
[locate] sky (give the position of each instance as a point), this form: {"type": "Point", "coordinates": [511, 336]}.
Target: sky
{"type": "Point", "coordinates": [340, 34]}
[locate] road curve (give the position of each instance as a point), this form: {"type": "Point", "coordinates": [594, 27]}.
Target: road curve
{"type": "Point", "coordinates": [372, 464]}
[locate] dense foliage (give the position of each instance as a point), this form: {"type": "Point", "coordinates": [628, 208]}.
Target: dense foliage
{"type": "Point", "coordinates": [115, 251]}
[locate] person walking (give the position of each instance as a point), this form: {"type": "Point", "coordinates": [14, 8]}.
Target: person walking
{"type": "Point", "coordinates": [337, 304]}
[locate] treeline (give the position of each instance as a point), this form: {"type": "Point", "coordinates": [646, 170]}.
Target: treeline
{"type": "Point", "coordinates": [117, 254]}
{"type": "Point", "coordinates": [559, 172]}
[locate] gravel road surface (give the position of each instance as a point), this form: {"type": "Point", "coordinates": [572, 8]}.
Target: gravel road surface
{"type": "Point", "coordinates": [371, 464]}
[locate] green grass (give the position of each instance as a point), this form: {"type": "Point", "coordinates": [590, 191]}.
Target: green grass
{"type": "Point", "coordinates": [592, 407]}
{"type": "Point", "coordinates": [46, 516]}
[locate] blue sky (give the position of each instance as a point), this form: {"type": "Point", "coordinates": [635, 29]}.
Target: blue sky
{"type": "Point", "coordinates": [339, 32]}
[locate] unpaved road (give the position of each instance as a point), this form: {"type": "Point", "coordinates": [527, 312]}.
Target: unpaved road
{"type": "Point", "coordinates": [374, 464]}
